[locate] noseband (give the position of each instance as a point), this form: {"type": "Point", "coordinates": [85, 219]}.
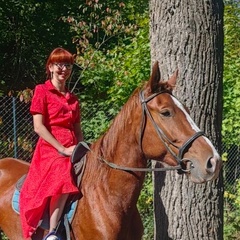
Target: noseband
{"type": "Point", "coordinates": [166, 141]}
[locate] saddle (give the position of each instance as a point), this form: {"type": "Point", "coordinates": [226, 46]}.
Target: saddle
{"type": "Point", "coordinates": [79, 152]}
{"type": "Point", "coordinates": [78, 160]}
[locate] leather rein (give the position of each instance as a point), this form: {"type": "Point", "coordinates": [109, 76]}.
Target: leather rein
{"type": "Point", "coordinates": [166, 141]}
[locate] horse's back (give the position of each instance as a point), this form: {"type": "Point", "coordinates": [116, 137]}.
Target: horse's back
{"type": "Point", "coordinates": [10, 163]}
{"type": "Point", "coordinates": [11, 170]}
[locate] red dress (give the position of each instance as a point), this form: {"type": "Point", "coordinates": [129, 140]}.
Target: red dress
{"type": "Point", "coordinates": [49, 172]}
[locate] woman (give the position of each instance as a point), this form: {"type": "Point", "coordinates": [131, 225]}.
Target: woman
{"type": "Point", "coordinates": [56, 119]}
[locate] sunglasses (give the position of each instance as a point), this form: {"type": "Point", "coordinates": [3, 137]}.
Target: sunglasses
{"type": "Point", "coordinates": [62, 65]}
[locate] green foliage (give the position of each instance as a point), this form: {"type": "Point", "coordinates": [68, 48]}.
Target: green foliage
{"type": "Point", "coordinates": [2, 236]}
{"type": "Point", "coordinates": [231, 121]}
{"type": "Point", "coordinates": [132, 66]}
{"type": "Point", "coordinates": [114, 60]}
{"type": "Point", "coordinates": [29, 31]}
{"type": "Point", "coordinates": [113, 76]}
{"type": "Point", "coordinates": [145, 206]}
{"type": "Point", "coordinates": [231, 110]}
{"type": "Point", "coordinates": [97, 26]}
{"type": "Point", "coordinates": [232, 217]}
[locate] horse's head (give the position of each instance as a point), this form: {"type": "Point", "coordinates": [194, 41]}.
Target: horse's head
{"type": "Point", "coordinates": [170, 135]}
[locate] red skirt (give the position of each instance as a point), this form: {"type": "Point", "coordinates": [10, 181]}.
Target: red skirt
{"type": "Point", "coordinates": [49, 175]}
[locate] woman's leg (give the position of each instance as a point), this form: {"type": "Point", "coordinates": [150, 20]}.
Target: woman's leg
{"type": "Point", "coordinates": [57, 204]}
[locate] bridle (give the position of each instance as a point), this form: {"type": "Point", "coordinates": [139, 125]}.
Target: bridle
{"type": "Point", "coordinates": [166, 141]}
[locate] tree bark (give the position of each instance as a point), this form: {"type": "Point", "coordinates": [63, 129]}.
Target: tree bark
{"type": "Point", "coordinates": [188, 35]}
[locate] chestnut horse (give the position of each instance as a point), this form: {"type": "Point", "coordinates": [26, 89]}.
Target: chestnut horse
{"type": "Point", "coordinates": [153, 124]}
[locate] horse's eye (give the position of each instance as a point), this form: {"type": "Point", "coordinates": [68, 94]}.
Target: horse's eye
{"type": "Point", "coordinates": [166, 113]}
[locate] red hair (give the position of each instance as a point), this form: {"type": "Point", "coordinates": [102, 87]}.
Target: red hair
{"type": "Point", "coordinates": [59, 55]}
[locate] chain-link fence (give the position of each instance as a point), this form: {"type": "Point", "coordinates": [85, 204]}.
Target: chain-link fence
{"type": "Point", "coordinates": [231, 167]}
{"type": "Point", "coordinates": [17, 139]}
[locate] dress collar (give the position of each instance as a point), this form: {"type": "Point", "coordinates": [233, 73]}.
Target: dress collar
{"type": "Point", "coordinates": [51, 88]}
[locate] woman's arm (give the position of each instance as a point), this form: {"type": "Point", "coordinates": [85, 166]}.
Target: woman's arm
{"type": "Point", "coordinates": [41, 130]}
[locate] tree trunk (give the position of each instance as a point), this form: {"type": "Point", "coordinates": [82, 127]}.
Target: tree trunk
{"type": "Point", "coordinates": [188, 35]}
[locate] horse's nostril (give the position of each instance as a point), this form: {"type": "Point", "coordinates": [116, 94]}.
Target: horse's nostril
{"type": "Point", "coordinates": [211, 165]}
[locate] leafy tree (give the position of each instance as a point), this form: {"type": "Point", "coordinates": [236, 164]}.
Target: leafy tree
{"type": "Point", "coordinates": [231, 113]}
{"type": "Point", "coordinates": [231, 118]}
{"type": "Point", "coordinates": [29, 31]}
{"type": "Point", "coordinates": [111, 56]}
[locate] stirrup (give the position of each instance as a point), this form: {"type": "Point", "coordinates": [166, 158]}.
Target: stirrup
{"type": "Point", "coordinates": [53, 235]}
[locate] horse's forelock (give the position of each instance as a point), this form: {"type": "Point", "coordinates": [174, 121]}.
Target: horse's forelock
{"type": "Point", "coordinates": [161, 87]}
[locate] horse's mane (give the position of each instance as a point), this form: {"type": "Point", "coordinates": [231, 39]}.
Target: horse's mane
{"type": "Point", "coordinates": [119, 123]}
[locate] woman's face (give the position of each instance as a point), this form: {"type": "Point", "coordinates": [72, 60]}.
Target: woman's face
{"type": "Point", "coordinates": [60, 71]}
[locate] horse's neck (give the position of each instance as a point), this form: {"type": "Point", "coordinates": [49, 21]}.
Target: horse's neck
{"type": "Point", "coordinates": [121, 153]}
{"type": "Point", "coordinates": [120, 146]}
{"type": "Point", "coordinates": [124, 183]}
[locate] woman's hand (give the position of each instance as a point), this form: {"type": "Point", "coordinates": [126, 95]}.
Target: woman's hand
{"type": "Point", "coordinates": [42, 131]}
{"type": "Point", "coordinates": [67, 151]}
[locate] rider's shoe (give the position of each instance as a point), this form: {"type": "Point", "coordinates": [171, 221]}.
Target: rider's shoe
{"type": "Point", "coordinates": [51, 236]}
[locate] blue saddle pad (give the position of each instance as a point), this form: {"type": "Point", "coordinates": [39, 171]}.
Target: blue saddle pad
{"type": "Point", "coordinates": [45, 221]}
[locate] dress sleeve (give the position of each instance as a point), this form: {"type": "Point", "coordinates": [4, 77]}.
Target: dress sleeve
{"type": "Point", "coordinates": [38, 104]}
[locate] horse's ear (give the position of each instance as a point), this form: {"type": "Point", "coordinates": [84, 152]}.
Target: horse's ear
{"type": "Point", "coordinates": [173, 79]}
{"type": "Point", "coordinates": [155, 77]}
